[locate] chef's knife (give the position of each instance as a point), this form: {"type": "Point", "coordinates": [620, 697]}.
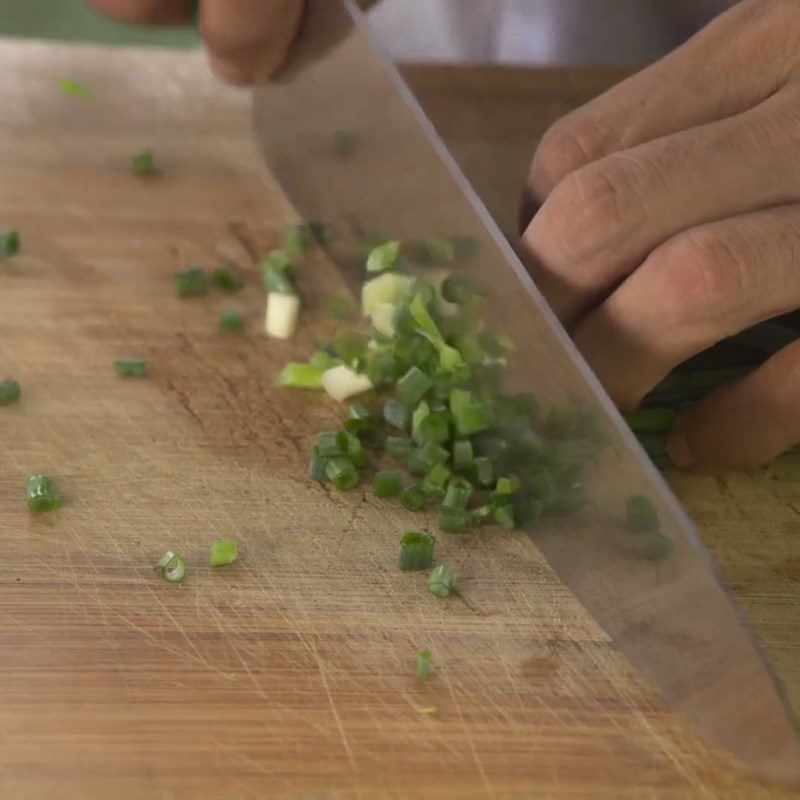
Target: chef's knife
{"type": "Point", "coordinates": [350, 146]}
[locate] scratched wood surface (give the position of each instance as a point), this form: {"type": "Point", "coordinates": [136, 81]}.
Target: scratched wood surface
{"type": "Point", "coordinates": [289, 674]}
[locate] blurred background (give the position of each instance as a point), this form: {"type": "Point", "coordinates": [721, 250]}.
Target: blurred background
{"type": "Point", "coordinates": [618, 32]}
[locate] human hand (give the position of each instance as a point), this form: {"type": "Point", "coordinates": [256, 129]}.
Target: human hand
{"type": "Point", "coordinates": [247, 40]}
{"type": "Point", "coordinates": [670, 220]}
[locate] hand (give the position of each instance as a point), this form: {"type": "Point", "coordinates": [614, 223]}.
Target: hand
{"type": "Point", "coordinates": [247, 40]}
{"type": "Point", "coordinates": [670, 220]}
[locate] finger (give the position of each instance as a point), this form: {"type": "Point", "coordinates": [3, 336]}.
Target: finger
{"type": "Point", "coordinates": [697, 289]}
{"type": "Point", "coordinates": [746, 424]}
{"type": "Point", "coordinates": [602, 221]}
{"type": "Point", "coordinates": [248, 40]}
{"type": "Point", "coordinates": [755, 41]}
{"type": "Point", "coordinates": [145, 12]}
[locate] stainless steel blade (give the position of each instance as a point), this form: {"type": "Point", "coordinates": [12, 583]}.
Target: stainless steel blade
{"type": "Point", "coordinates": [347, 141]}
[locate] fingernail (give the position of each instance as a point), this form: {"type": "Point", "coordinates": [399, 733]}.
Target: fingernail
{"type": "Point", "coordinates": [678, 449]}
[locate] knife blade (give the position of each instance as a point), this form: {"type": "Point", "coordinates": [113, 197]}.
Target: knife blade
{"type": "Point", "coordinates": [348, 143]}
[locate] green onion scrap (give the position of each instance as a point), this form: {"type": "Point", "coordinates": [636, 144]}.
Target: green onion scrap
{"type": "Point", "coordinates": [10, 391]}
{"type": "Point", "coordinates": [442, 581]}
{"type": "Point", "coordinates": [143, 163]}
{"type": "Point", "coordinates": [10, 242]}
{"type": "Point", "coordinates": [191, 281]}
{"type": "Point", "coordinates": [222, 552]}
{"type": "Point", "coordinates": [226, 279]}
{"type": "Point", "coordinates": [43, 493]}
{"type": "Point", "coordinates": [172, 567]}
{"type": "Point", "coordinates": [424, 665]}
{"type": "Point", "coordinates": [416, 551]}
{"type": "Point", "coordinates": [231, 320]}
{"type": "Point", "coordinates": [130, 367]}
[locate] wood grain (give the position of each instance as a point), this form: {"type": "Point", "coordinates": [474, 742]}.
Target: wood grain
{"type": "Point", "coordinates": [289, 674]}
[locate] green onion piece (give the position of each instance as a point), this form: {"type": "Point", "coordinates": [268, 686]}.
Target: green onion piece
{"type": "Point", "coordinates": [438, 250]}
{"type": "Point", "coordinates": [442, 581]}
{"type": "Point", "coordinates": [414, 498]}
{"type": "Point", "coordinates": [453, 520]}
{"type": "Point", "coordinates": [414, 464]}
{"type": "Point", "coordinates": [346, 143]}
{"type": "Point", "coordinates": [359, 420]}
{"type": "Point", "coordinates": [298, 241]}
{"type": "Point", "coordinates": [222, 552]}
{"type": "Point", "coordinates": [421, 412]}
{"type": "Point", "coordinates": [413, 386]}
{"type": "Point", "coordinates": [383, 257]}
{"type": "Point", "coordinates": [317, 469]}
{"type": "Point", "coordinates": [460, 400]}
{"type": "Point", "coordinates": [641, 513]}
{"type": "Point", "coordinates": [226, 280]}
{"type": "Point", "coordinates": [342, 473]}
{"type": "Point", "coordinates": [463, 457]}
{"type": "Point", "coordinates": [424, 665]}
{"type": "Point", "coordinates": [333, 443]}
{"type": "Point", "coordinates": [504, 516]}
{"type": "Point", "coordinates": [337, 307]}
{"type": "Point", "coordinates": [481, 513]}
{"type": "Point", "coordinates": [130, 367]}
{"type": "Point", "coordinates": [10, 242]}
{"type": "Point", "coordinates": [435, 481]}
{"type": "Point", "coordinates": [435, 428]}
{"type": "Point", "coordinates": [191, 281]}
{"type": "Point", "coordinates": [301, 376]}
{"type": "Point", "coordinates": [231, 320]}
{"type": "Point", "coordinates": [396, 413]}
{"type": "Point", "coordinates": [472, 419]}
{"type": "Point", "coordinates": [416, 551]}
{"type": "Point", "coordinates": [324, 359]}
{"type": "Point", "coordinates": [657, 546]}
{"type": "Point", "coordinates": [457, 495]}
{"type": "Point", "coordinates": [449, 357]}
{"type": "Point", "coordinates": [143, 163]}
{"type": "Point", "coordinates": [461, 289]}
{"type": "Point", "coordinates": [388, 483]}
{"type": "Point", "coordinates": [172, 567]}
{"type": "Point", "coordinates": [355, 450]}
{"type": "Point", "coordinates": [431, 453]}
{"type": "Point", "coordinates": [278, 272]}
{"type": "Point", "coordinates": [507, 485]}
{"type": "Point", "coordinates": [398, 446]}
{"type": "Point", "coordinates": [10, 391]}
{"type": "Point", "coordinates": [73, 88]}
{"type": "Point", "coordinates": [43, 494]}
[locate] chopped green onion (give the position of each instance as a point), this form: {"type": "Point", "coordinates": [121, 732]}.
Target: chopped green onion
{"type": "Point", "coordinates": [472, 419]}
{"type": "Point", "coordinates": [416, 551]}
{"type": "Point", "coordinates": [355, 450]}
{"type": "Point", "coordinates": [414, 498]}
{"type": "Point", "coordinates": [424, 665]}
{"type": "Point", "coordinates": [350, 346]}
{"type": "Point", "coordinates": [463, 457]}
{"type": "Point", "coordinates": [337, 307]}
{"type": "Point", "coordinates": [227, 280]}
{"type": "Point", "coordinates": [298, 241]}
{"type": "Point", "coordinates": [301, 376]}
{"type": "Point", "coordinates": [453, 521]}
{"type": "Point", "coordinates": [130, 367]}
{"type": "Point", "coordinates": [414, 385]}
{"type": "Point", "coordinates": [460, 400]}
{"type": "Point", "coordinates": [342, 382]}
{"type": "Point", "coordinates": [421, 412]}
{"type": "Point", "coordinates": [333, 443]}
{"type": "Point", "coordinates": [317, 469]}
{"type": "Point", "coordinates": [481, 513]}
{"type": "Point", "coordinates": [278, 272]}
{"type": "Point", "coordinates": [10, 242]}
{"type": "Point", "coordinates": [43, 494]}
{"type": "Point", "coordinates": [231, 320]}
{"type": "Point", "coordinates": [641, 513]}
{"type": "Point", "coordinates": [172, 567]}
{"type": "Point", "coordinates": [442, 581]}
{"type": "Point", "coordinates": [10, 391]}
{"type": "Point", "coordinates": [384, 256]}
{"type": "Point", "coordinates": [283, 312]}
{"type": "Point", "coordinates": [323, 359]}
{"type": "Point", "coordinates": [396, 413]}
{"type": "Point", "coordinates": [435, 481]}
{"type": "Point", "coordinates": [346, 143]}
{"type": "Point", "coordinates": [507, 485]}
{"type": "Point", "coordinates": [457, 495]}
{"type": "Point", "coordinates": [143, 163]}
{"type": "Point", "coordinates": [431, 453]}
{"type": "Point", "coordinates": [435, 428]}
{"type": "Point", "coordinates": [657, 546]}
{"type": "Point", "coordinates": [437, 250]}
{"type": "Point", "coordinates": [341, 472]}
{"type": "Point", "coordinates": [191, 281]}
{"type": "Point", "coordinates": [504, 516]}
{"type": "Point", "coordinates": [388, 484]}
{"type": "Point", "coordinates": [359, 420]}
{"type": "Point", "coordinates": [73, 88]}
{"type": "Point", "coordinates": [398, 446]}
{"type": "Point", "coordinates": [222, 552]}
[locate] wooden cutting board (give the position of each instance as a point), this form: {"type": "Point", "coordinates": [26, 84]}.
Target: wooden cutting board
{"type": "Point", "coordinates": [289, 674]}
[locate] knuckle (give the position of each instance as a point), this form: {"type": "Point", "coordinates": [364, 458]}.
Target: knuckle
{"type": "Point", "coordinates": [710, 273]}
{"type": "Point", "coordinates": [571, 143]}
